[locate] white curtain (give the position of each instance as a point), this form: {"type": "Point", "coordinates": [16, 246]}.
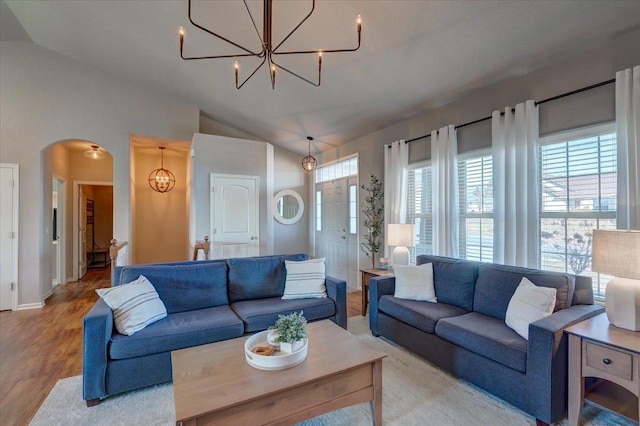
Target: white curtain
{"type": "Point", "coordinates": [628, 136]}
{"type": "Point", "coordinates": [515, 185]}
{"type": "Point", "coordinates": [446, 215]}
{"type": "Point", "coordinates": [396, 160]}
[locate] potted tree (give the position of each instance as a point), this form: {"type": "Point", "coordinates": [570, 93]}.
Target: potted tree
{"type": "Point", "coordinates": [373, 212]}
{"type": "Point", "coordinates": [289, 332]}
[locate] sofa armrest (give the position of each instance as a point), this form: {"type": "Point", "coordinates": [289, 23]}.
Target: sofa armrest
{"type": "Point", "coordinates": [378, 287]}
{"type": "Point", "coordinates": [547, 361]}
{"type": "Point", "coordinates": [97, 330]}
{"type": "Point", "coordinates": [337, 290]}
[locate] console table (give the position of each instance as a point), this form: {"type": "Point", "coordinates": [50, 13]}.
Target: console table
{"type": "Point", "coordinates": [601, 350]}
{"type": "Point", "coordinates": [367, 274]}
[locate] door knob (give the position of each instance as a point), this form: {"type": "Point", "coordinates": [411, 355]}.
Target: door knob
{"type": "Point", "coordinates": [253, 238]}
{"type": "Point", "coordinates": [344, 238]}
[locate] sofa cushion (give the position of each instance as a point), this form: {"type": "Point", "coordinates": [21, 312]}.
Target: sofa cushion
{"type": "Point", "coordinates": [486, 336]}
{"type": "Point", "coordinates": [258, 277]}
{"type": "Point", "coordinates": [184, 287]}
{"type": "Point", "coordinates": [497, 283]}
{"type": "Point", "coordinates": [177, 331]}
{"type": "Point", "coordinates": [135, 305]}
{"type": "Point", "coordinates": [259, 314]}
{"type": "Point", "coordinates": [453, 279]}
{"type": "Point", "coordinates": [415, 282]}
{"type": "Point", "coordinates": [529, 303]}
{"type": "Point", "coordinates": [305, 279]}
{"type": "Point", "coordinates": [422, 315]}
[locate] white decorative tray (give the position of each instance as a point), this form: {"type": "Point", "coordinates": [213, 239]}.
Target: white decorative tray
{"type": "Point", "coordinates": [279, 360]}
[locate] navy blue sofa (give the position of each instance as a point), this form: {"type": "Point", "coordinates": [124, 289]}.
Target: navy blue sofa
{"type": "Point", "coordinates": [206, 301]}
{"type": "Point", "coordinates": [465, 331]}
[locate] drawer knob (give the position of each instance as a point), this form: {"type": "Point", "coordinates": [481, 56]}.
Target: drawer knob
{"type": "Point", "coordinates": [606, 361]}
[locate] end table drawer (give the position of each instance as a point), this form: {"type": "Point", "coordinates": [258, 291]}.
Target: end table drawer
{"type": "Point", "coordinates": [610, 360]}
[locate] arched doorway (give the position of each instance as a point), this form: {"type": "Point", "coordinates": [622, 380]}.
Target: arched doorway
{"type": "Point", "coordinates": [74, 173]}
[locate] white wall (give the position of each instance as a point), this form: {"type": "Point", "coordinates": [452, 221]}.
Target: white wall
{"type": "Point", "coordinates": [46, 98]}
{"type": "Point", "coordinates": [588, 67]}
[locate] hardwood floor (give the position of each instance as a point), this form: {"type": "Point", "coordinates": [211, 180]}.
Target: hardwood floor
{"type": "Point", "coordinates": [38, 347]}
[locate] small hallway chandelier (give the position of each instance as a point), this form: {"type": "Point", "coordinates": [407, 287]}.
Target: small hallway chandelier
{"type": "Point", "coordinates": [309, 162]}
{"type": "Point", "coordinates": [268, 50]}
{"type": "Point", "coordinates": [162, 180]}
{"type": "Point", "coordinates": [94, 153]}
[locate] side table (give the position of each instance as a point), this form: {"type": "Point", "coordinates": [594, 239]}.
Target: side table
{"type": "Point", "coordinates": [367, 274]}
{"type": "Point", "coordinates": [601, 350]}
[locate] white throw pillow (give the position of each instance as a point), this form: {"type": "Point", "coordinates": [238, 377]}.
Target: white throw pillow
{"type": "Point", "coordinates": [528, 304]}
{"type": "Point", "coordinates": [305, 279]}
{"type": "Point", "coordinates": [135, 305]}
{"type": "Point", "coordinates": [415, 282]}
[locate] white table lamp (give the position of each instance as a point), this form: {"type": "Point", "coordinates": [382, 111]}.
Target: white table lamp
{"type": "Point", "coordinates": [617, 253]}
{"type": "Point", "coordinates": [401, 236]}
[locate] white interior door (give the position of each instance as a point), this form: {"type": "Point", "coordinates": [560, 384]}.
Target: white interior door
{"type": "Point", "coordinates": [8, 253]}
{"type": "Point", "coordinates": [335, 214]}
{"type": "Point", "coordinates": [82, 233]}
{"type": "Point", "coordinates": [234, 216]}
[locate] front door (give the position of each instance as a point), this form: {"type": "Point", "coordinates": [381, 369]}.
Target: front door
{"type": "Point", "coordinates": [234, 216]}
{"type": "Point", "coordinates": [335, 214]}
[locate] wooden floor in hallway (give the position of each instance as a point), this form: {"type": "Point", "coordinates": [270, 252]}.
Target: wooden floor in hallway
{"type": "Point", "coordinates": [38, 347]}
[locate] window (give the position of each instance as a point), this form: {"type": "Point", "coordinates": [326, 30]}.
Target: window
{"type": "Point", "coordinates": [578, 189]}
{"type": "Point", "coordinates": [337, 170]}
{"type": "Point", "coordinates": [353, 209]}
{"type": "Point", "coordinates": [419, 209]}
{"type": "Point", "coordinates": [318, 211]}
{"type": "Point", "coordinates": [475, 180]}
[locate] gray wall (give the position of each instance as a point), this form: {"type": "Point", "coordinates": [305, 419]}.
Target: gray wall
{"type": "Point", "coordinates": [47, 98]}
{"type": "Point", "coordinates": [218, 154]}
{"type": "Point", "coordinates": [587, 67]}
{"type": "Point", "coordinates": [288, 174]}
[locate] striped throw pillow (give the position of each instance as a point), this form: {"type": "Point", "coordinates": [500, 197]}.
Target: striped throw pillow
{"type": "Point", "coordinates": [135, 305]}
{"type": "Point", "coordinates": [305, 279]}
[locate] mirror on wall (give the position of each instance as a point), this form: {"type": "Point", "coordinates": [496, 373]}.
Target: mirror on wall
{"type": "Point", "coordinates": [288, 206]}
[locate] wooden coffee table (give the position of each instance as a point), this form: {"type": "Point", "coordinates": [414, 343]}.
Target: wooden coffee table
{"type": "Point", "coordinates": [213, 384]}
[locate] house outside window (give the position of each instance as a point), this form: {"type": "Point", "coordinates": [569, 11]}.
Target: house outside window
{"type": "Point", "coordinates": [578, 191]}
{"type": "Point", "coordinates": [419, 208]}
{"type": "Point", "coordinates": [475, 180]}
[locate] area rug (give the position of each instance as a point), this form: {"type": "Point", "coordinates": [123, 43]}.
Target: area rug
{"type": "Point", "coordinates": [414, 393]}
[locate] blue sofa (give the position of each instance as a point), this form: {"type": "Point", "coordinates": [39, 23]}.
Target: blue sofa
{"type": "Point", "coordinates": [465, 331]}
{"type": "Point", "coordinates": [206, 301]}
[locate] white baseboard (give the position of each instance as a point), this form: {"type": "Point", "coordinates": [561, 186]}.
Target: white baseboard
{"type": "Point", "coordinates": [47, 294]}
{"type": "Point", "coordinates": [30, 306]}
{"type": "Point", "coordinates": [70, 280]}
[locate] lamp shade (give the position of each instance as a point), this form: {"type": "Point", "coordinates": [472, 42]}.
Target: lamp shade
{"type": "Point", "coordinates": [617, 253]}
{"type": "Point", "coordinates": [401, 234]}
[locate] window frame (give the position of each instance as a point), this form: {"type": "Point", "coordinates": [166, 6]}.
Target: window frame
{"type": "Point", "coordinates": [599, 281]}
{"type": "Point", "coordinates": [463, 215]}
{"type": "Point", "coordinates": [410, 218]}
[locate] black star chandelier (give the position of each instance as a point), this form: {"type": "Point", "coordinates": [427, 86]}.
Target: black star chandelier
{"type": "Point", "coordinates": [268, 51]}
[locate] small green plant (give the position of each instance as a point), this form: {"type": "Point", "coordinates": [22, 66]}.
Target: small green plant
{"type": "Point", "coordinates": [290, 328]}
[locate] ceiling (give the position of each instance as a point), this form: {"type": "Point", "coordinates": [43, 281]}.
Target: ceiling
{"type": "Point", "coordinates": [415, 55]}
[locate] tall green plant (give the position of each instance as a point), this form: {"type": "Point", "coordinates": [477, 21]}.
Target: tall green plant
{"type": "Point", "coordinates": [373, 212]}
